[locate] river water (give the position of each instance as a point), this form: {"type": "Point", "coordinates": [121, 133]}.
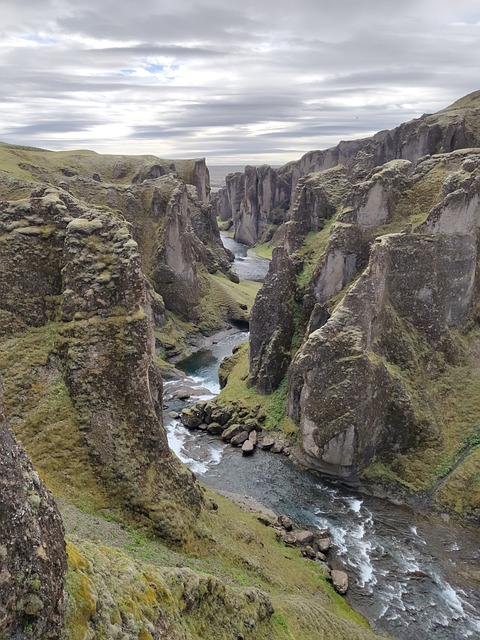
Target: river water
{"type": "Point", "coordinates": [410, 574]}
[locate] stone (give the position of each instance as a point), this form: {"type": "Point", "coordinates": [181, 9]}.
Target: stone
{"type": "Point", "coordinates": [239, 439]}
{"type": "Point", "coordinates": [191, 418]}
{"type": "Point", "coordinates": [266, 442]}
{"type": "Point", "coordinates": [248, 448]}
{"type": "Point", "coordinates": [308, 552]}
{"type": "Point", "coordinates": [32, 548]}
{"type": "Point", "coordinates": [215, 428]}
{"type": "Point", "coordinates": [304, 537]}
{"type": "Point", "coordinates": [340, 581]}
{"type": "Point", "coordinates": [252, 437]}
{"type": "Point", "coordinates": [221, 415]}
{"type": "Point", "coordinates": [285, 522]}
{"type": "Point", "coordinates": [323, 544]}
{"type": "Point", "coordinates": [231, 431]}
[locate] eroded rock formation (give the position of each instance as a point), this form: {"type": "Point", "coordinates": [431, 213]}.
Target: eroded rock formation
{"type": "Point", "coordinates": [78, 265]}
{"type": "Point", "coordinates": [33, 559]}
{"type": "Point", "coordinates": [263, 196]}
{"type": "Point", "coordinates": [387, 294]}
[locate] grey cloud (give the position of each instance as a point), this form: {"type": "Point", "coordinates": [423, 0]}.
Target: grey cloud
{"type": "Point", "coordinates": [320, 71]}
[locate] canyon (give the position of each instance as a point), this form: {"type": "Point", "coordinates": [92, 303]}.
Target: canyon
{"type": "Point", "coordinates": [362, 357]}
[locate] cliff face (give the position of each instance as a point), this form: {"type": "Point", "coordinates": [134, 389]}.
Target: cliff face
{"type": "Point", "coordinates": [386, 314]}
{"type": "Point", "coordinates": [256, 200]}
{"type": "Point", "coordinates": [158, 198]}
{"type": "Point", "coordinates": [95, 254]}
{"type": "Point", "coordinates": [32, 549]}
{"type": "Point", "coordinates": [263, 196]}
{"type": "Point", "coordinates": [76, 265]}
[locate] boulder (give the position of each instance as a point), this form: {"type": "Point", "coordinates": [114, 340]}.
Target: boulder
{"type": "Point", "coordinates": [214, 428]}
{"type": "Point", "coordinates": [340, 581]}
{"type": "Point", "coordinates": [285, 522]}
{"type": "Point", "coordinates": [239, 439]}
{"type": "Point", "coordinates": [252, 437]}
{"type": "Point", "coordinates": [323, 544]}
{"type": "Point", "coordinates": [231, 431]}
{"type": "Point", "coordinates": [221, 415]}
{"type": "Point", "coordinates": [248, 448]}
{"type": "Point", "coordinates": [266, 442]}
{"type": "Point", "coordinates": [304, 537]}
{"type": "Point", "coordinates": [191, 417]}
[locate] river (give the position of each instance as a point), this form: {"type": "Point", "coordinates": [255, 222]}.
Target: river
{"type": "Point", "coordinates": [410, 574]}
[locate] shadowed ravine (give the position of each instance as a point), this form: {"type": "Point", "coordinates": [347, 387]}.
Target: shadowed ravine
{"type": "Point", "coordinates": [410, 574]}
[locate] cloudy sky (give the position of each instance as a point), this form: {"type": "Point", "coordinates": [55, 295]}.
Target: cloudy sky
{"type": "Point", "coordinates": [251, 81]}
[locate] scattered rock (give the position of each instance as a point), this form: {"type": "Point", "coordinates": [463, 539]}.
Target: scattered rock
{"type": "Point", "coordinates": [191, 418]}
{"type": "Point", "coordinates": [304, 537]}
{"type": "Point", "coordinates": [266, 443]}
{"type": "Point", "coordinates": [214, 428]}
{"type": "Point", "coordinates": [285, 522]}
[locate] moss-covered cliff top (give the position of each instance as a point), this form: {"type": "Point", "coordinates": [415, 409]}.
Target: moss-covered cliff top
{"type": "Point", "coordinates": [32, 163]}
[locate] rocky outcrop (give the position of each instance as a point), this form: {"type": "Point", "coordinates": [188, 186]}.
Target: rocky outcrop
{"type": "Point", "coordinates": [272, 323]}
{"type": "Point", "coordinates": [256, 200]}
{"type": "Point", "coordinates": [145, 190]}
{"type": "Point", "coordinates": [259, 191]}
{"type": "Point", "coordinates": [350, 384]}
{"type": "Point", "coordinates": [33, 559]}
{"type": "Point", "coordinates": [85, 262]}
{"type": "Point", "coordinates": [317, 199]}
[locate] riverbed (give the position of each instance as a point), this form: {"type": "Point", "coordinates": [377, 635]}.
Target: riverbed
{"type": "Point", "coordinates": [410, 574]}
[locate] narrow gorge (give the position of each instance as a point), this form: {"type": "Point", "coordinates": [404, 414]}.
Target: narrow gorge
{"type": "Point", "coordinates": [360, 366]}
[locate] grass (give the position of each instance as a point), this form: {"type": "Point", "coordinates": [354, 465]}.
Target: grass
{"type": "Point", "coordinates": [222, 301]}
{"type": "Point", "coordinates": [141, 580]}
{"type": "Point", "coordinates": [43, 418]}
{"type": "Point", "coordinates": [312, 250]}
{"type": "Point", "coordinates": [239, 391]}
{"type": "Point", "coordinates": [263, 250]}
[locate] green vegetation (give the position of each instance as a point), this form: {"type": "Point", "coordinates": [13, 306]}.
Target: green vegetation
{"type": "Point", "coordinates": [43, 417]}
{"type": "Point", "coordinates": [246, 396]}
{"type": "Point", "coordinates": [312, 250]}
{"type": "Point", "coordinates": [263, 250]}
{"type": "Point", "coordinates": [211, 589]}
{"type": "Point", "coordinates": [222, 301]}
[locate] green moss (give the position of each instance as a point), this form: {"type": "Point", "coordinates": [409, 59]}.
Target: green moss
{"type": "Point", "coordinates": [43, 417]}
{"type": "Point", "coordinates": [312, 250]}
{"type": "Point", "coordinates": [222, 301]}
{"type": "Point", "coordinates": [263, 250]}
{"type": "Point", "coordinates": [142, 582]}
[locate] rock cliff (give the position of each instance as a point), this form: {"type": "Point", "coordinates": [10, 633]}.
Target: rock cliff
{"type": "Point", "coordinates": [98, 256]}
{"type": "Point", "coordinates": [75, 270]}
{"type": "Point", "coordinates": [385, 312]}
{"type": "Point", "coordinates": [262, 196]}
{"type": "Point", "coordinates": [32, 549]}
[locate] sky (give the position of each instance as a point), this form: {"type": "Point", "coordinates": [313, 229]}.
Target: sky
{"type": "Point", "coordinates": [245, 82]}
